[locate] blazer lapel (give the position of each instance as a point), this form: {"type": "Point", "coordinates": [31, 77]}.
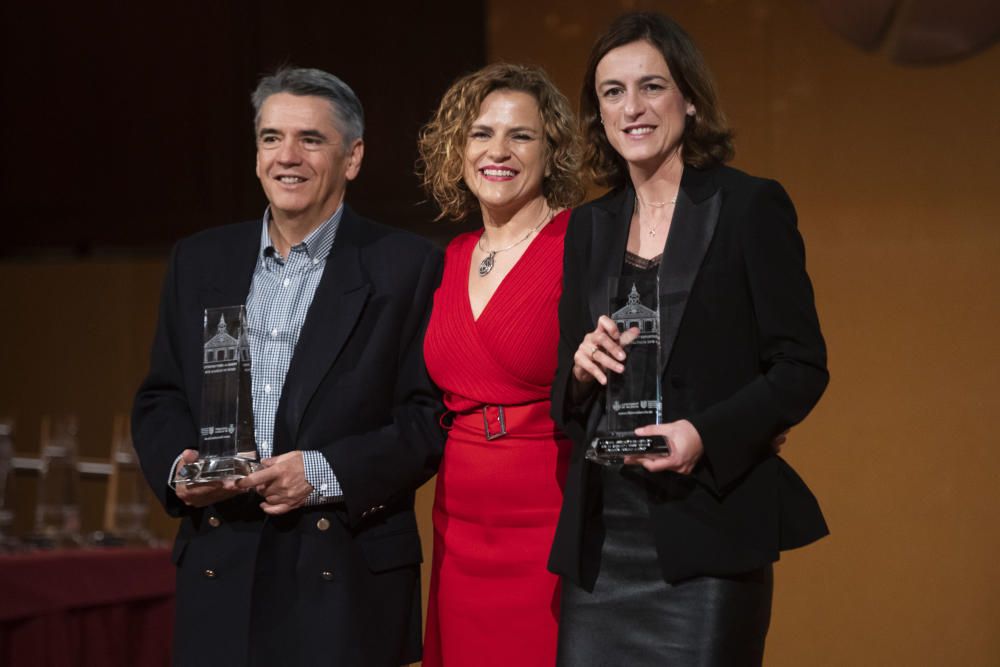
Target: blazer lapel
{"type": "Point", "coordinates": [232, 274]}
{"type": "Point", "coordinates": [698, 204]}
{"type": "Point", "coordinates": [609, 238]}
{"type": "Point", "coordinates": [336, 306]}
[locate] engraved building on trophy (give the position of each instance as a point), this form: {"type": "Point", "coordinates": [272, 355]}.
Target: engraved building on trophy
{"type": "Point", "coordinates": [634, 314]}
{"type": "Point", "coordinates": [221, 346]}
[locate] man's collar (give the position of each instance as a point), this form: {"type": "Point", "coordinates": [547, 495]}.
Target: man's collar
{"type": "Point", "coordinates": [317, 244]}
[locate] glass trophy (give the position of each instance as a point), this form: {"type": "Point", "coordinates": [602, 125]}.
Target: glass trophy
{"type": "Point", "coordinates": [7, 542]}
{"type": "Point", "coordinates": [57, 514]}
{"type": "Point", "coordinates": [126, 505]}
{"type": "Point", "coordinates": [227, 449]}
{"type": "Point", "coordinates": [633, 397]}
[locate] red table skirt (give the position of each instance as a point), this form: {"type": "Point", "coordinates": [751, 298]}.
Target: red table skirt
{"type": "Point", "coordinates": [92, 607]}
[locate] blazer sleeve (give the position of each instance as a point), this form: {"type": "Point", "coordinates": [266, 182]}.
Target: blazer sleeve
{"type": "Point", "coordinates": [162, 422]}
{"type": "Point", "coordinates": [791, 350]}
{"type": "Point", "coordinates": [378, 467]}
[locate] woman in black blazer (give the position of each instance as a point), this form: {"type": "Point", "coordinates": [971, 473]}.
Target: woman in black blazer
{"type": "Point", "coordinates": [667, 558]}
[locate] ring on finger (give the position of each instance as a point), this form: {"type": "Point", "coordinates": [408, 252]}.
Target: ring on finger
{"type": "Point", "coordinates": [593, 350]}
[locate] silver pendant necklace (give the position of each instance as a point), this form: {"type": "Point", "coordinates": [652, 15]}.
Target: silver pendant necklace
{"type": "Point", "coordinates": [487, 264]}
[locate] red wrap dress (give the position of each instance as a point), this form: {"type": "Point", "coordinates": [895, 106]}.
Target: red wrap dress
{"type": "Point", "coordinates": [492, 601]}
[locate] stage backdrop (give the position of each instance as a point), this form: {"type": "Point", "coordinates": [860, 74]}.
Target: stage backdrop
{"type": "Point", "coordinates": [130, 125]}
{"type": "Point", "coordinates": [894, 174]}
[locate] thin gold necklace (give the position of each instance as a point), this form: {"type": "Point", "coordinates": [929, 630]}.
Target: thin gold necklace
{"type": "Point", "coordinates": [655, 204]}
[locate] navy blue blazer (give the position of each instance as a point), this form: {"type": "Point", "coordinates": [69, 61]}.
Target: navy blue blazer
{"type": "Point", "coordinates": [339, 583]}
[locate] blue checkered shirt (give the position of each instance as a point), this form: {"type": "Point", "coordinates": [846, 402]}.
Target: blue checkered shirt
{"type": "Point", "coordinates": [280, 295]}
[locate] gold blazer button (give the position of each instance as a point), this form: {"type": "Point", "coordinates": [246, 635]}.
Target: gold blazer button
{"type": "Point", "coordinates": [214, 522]}
{"type": "Point", "coordinates": [323, 523]}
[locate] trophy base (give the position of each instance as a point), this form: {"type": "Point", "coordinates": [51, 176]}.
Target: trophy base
{"type": "Point", "coordinates": [612, 448]}
{"type": "Point", "coordinates": [216, 469]}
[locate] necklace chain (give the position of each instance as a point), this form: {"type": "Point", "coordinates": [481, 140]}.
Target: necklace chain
{"type": "Point", "coordinates": [487, 264]}
{"type": "Point", "coordinates": [655, 204]}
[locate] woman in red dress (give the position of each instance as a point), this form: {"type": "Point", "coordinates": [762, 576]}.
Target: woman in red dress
{"type": "Point", "coordinates": [502, 143]}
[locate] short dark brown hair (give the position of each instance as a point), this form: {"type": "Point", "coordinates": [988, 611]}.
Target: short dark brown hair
{"type": "Point", "coordinates": [442, 141]}
{"type": "Point", "coordinates": [707, 138]}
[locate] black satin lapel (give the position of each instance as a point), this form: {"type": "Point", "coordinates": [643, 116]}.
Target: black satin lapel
{"type": "Point", "coordinates": [336, 306]}
{"type": "Point", "coordinates": [610, 236]}
{"type": "Point", "coordinates": [690, 235]}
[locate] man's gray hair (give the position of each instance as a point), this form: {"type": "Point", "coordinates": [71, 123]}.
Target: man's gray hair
{"type": "Point", "coordinates": [348, 115]}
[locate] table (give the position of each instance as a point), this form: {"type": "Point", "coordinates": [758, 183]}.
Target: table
{"type": "Point", "coordinates": [88, 607]}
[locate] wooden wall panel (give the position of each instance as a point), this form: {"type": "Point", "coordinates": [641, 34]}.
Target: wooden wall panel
{"type": "Point", "coordinates": [893, 171]}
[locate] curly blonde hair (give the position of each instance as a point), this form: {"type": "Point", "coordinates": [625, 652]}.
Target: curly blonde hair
{"type": "Point", "coordinates": [442, 140]}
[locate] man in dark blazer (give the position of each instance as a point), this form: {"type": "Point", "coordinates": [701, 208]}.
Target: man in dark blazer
{"type": "Point", "coordinates": [313, 559]}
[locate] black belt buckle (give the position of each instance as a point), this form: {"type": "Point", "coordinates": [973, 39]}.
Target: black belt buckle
{"type": "Point", "coordinates": [501, 419]}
